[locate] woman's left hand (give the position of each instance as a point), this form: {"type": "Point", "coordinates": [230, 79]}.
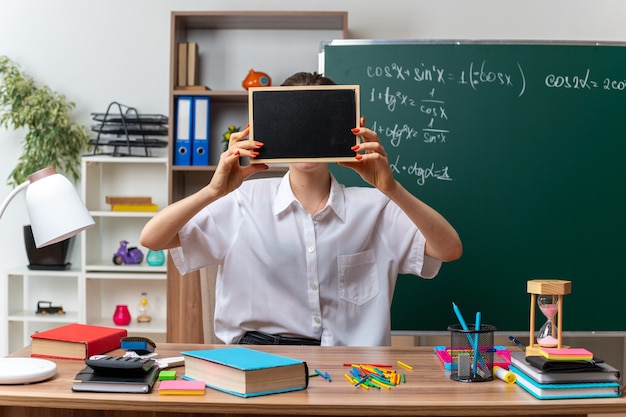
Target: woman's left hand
{"type": "Point", "coordinates": [371, 161]}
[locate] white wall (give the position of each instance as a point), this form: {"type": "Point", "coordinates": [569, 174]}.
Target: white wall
{"type": "Point", "coordinates": [96, 52]}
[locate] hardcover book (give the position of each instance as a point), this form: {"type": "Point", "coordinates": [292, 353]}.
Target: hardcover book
{"type": "Point", "coordinates": [245, 372]}
{"type": "Point", "coordinates": [87, 380]}
{"type": "Point", "coordinates": [76, 341]}
{"type": "Point", "coordinates": [602, 372]}
{"type": "Point", "coordinates": [566, 390]}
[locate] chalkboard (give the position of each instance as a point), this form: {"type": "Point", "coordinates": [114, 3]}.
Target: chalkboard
{"type": "Point", "coordinates": [522, 147]}
{"type": "Point", "coordinates": [307, 123]}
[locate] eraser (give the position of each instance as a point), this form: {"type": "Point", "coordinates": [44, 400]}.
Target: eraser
{"type": "Point", "coordinates": [167, 375]}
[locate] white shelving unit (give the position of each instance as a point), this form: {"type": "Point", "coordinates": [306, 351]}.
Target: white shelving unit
{"type": "Point", "coordinates": [107, 284]}
{"type": "Point", "coordinates": [90, 291]}
{"type": "Point", "coordinates": [23, 288]}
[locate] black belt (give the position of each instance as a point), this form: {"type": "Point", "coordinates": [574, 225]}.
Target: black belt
{"type": "Point", "coordinates": [260, 338]}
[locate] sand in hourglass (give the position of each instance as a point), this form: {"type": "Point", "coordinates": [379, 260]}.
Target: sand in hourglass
{"type": "Point", "coordinates": [546, 334]}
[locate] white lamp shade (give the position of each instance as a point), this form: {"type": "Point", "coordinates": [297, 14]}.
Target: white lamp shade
{"type": "Point", "coordinates": [56, 211]}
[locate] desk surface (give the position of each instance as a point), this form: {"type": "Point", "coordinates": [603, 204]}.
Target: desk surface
{"type": "Point", "coordinates": [428, 391]}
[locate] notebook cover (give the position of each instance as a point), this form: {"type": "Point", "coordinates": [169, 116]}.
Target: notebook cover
{"type": "Point", "coordinates": [550, 365]}
{"type": "Point", "coordinates": [242, 358]}
{"type": "Point", "coordinates": [89, 381]}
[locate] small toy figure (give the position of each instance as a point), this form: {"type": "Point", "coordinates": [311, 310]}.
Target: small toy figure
{"type": "Point", "coordinates": [46, 307]}
{"type": "Point", "coordinates": [127, 256]}
{"type": "Point", "coordinates": [256, 79]}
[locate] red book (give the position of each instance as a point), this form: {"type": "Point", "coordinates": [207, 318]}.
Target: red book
{"type": "Point", "coordinates": [76, 341]}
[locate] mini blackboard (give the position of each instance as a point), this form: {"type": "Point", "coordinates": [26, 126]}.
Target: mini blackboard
{"type": "Point", "coordinates": [304, 123]}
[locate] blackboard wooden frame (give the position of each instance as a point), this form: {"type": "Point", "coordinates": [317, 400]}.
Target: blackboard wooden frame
{"type": "Point", "coordinates": [304, 123]}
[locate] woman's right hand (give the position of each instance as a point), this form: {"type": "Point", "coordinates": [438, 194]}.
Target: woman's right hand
{"type": "Point", "coordinates": [230, 174]}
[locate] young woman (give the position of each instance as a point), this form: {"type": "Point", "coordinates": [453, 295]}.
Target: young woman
{"type": "Point", "coordinates": [303, 259]}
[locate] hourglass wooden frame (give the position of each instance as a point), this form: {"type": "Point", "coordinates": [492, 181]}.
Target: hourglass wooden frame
{"type": "Point", "coordinates": [555, 287]}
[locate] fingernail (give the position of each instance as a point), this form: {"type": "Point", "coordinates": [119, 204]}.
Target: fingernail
{"type": "Point", "coordinates": [358, 157]}
{"type": "Point", "coordinates": [355, 130]}
{"type": "Point", "coordinates": [247, 126]}
{"type": "Point", "coordinates": [254, 153]}
{"type": "Point", "coordinates": [258, 144]}
{"type": "Point", "coordinates": [236, 153]}
{"type": "Point", "coordinates": [355, 147]}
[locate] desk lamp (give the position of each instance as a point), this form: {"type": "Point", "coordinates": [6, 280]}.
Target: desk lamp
{"type": "Point", "coordinates": [548, 293]}
{"type": "Point", "coordinates": [56, 213]}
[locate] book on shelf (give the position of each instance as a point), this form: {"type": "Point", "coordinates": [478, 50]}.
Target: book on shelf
{"type": "Point", "coordinates": [193, 87]}
{"type": "Point", "coordinates": [76, 341]}
{"type": "Point", "coordinates": [181, 387]}
{"type": "Point", "coordinates": [87, 380]}
{"type": "Point", "coordinates": [113, 199]}
{"type": "Point", "coordinates": [601, 372]}
{"type": "Point", "coordinates": [181, 65]}
{"type": "Point", "coordinates": [192, 63]}
{"type": "Point", "coordinates": [134, 207]}
{"type": "Point", "coordinates": [566, 390]}
{"type": "Point", "coordinates": [245, 372]}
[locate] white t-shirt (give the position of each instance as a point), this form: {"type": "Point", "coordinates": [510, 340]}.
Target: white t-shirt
{"type": "Point", "coordinates": [282, 271]}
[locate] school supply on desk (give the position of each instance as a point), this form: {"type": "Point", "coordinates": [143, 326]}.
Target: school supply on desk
{"type": "Point", "coordinates": [501, 357]}
{"type": "Point", "coordinates": [120, 365]}
{"type": "Point", "coordinates": [518, 343]}
{"type": "Point", "coordinates": [245, 372]}
{"type": "Point", "coordinates": [566, 354]}
{"type": "Point", "coordinates": [566, 390]}
{"type": "Point", "coordinates": [548, 365]}
{"type": "Point", "coordinates": [167, 375]}
{"type": "Point", "coordinates": [181, 387]}
{"type": "Point", "coordinates": [600, 372]}
{"type": "Point", "coordinates": [504, 374]}
{"type": "Point", "coordinates": [477, 365]}
{"type": "Point", "coordinates": [76, 341]}
{"type": "Point", "coordinates": [88, 380]}
{"type": "Point", "coordinates": [368, 376]}
{"type": "Point", "coordinates": [139, 344]}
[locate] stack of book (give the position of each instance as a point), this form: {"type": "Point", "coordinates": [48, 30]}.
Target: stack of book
{"type": "Point", "coordinates": [188, 67]}
{"type": "Point", "coordinates": [137, 203]}
{"type": "Point", "coordinates": [550, 378]}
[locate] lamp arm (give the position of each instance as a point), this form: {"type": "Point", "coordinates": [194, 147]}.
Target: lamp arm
{"type": "Point", "coordinates": [11, 195]}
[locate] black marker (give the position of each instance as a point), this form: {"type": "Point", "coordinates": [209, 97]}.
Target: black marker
{"type": "Point", "coordinates": [518, 343]}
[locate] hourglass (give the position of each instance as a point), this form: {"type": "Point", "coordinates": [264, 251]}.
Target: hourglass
{"type": "Point", "coordinates": [548, 295]}
{"type": "Point", "coordinates": [547, 335]}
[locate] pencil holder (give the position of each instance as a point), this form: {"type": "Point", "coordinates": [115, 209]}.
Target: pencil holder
{"type": "Point", "coordinates": [472, 353]}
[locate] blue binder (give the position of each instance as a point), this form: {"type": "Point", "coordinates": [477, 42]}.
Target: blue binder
{"type": "Point", "coordinates": [184, 130]}
{"type": "Point", "coordinates": [200, 139]}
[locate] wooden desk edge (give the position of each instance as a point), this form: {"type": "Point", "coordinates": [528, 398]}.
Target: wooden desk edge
{"type": "Point", "coordinates": [429, 392]}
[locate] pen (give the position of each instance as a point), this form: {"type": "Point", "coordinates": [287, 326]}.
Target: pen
{"type": "Point", "coordinates": [518, 343]}
{"type": "Point", "coordinates": [476, 342]}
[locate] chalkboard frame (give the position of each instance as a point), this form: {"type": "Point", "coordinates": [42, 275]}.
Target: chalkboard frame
{"type": "Point", "coordinates": [319, 117]}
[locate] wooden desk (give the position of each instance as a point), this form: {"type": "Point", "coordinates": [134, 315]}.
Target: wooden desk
{"type": "Point", "coordinates": [428, 392]}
